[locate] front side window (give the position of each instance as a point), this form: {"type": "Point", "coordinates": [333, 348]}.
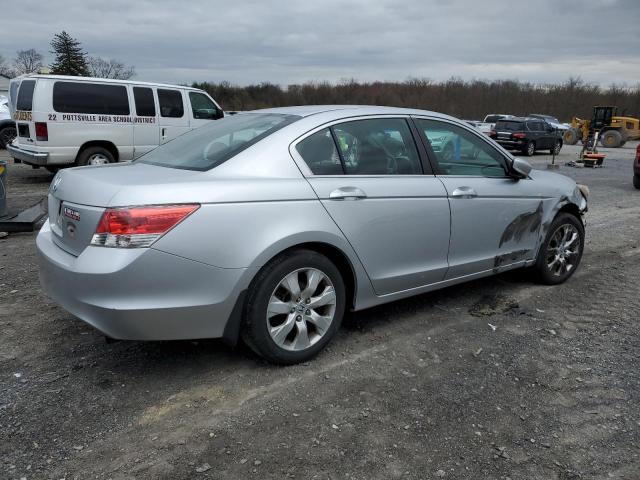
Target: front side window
{"type": "Point", "coordinates": [203, 107]}
{"type": "Point", "coordinates": [145, 106]}
{"type": "Point", "coordinates": [460, 152]}
{"type": "Point", "coordinates": [209, 146]}
{"type": "Point", "coordinates": [381, 146]}
{"type": "Point", "coordinates": [25, 95]}
{"type": "Point", "coordinates": [320, 154]}
{"type": "Point", "coordinates": [96, 98]}
{"type": "Point", "coordinates": [170, 103]}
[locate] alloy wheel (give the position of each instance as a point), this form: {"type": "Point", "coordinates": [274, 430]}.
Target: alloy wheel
{"type": "Point", "coordinates": [563, 250]}
{"type": "Point", "coordinates": [531, 149]}
{"type": "Point", "coordinates": [301, 309]}
{"type": "Point", "coordinates": [98, 159]}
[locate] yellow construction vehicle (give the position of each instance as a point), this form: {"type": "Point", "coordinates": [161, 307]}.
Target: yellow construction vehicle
{"type": "Point", "coordinates": [613, 131]}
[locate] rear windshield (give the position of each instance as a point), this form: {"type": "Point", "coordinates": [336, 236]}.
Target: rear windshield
{"type": "Point", "coordinates": [210, 145]}
{"type": "Point", "coordinates": [25, 95]}
{"type": "Point", "coordinates": [492, 118]}
{"type": "Point", "coordinates": [508, 126]}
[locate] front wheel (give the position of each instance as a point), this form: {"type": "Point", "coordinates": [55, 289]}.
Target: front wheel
{"type": "Point", "coordinates": [561, 251]}
{"type": "Point", "coordinates": [294, 308]}
{"type": "Point", "coordinates": [556, 148]}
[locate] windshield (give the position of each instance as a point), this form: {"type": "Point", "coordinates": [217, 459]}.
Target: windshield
{"type": "Point", "coordinates": [215, 143]}
{"type": "Point", "coordinates": [507, 126]}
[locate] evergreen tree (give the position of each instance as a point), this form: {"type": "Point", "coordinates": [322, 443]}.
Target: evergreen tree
{"type": "Point", "coordinates": [70, 58]}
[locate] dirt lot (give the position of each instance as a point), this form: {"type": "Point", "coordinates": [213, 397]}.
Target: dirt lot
{"type": "Point", "coordinates": [499, 378]}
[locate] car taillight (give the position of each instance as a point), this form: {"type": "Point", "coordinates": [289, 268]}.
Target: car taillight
{"type": "Point", "coordinates": [638, 154]}
{"type": "Point", "coordinates": [135, 227]}
{"type": "Point", "coordinates": [518, 135]}
{"type": "Point", "coordinates": [42, 132]}
{"type": "Point", "coordinates": [493, 133]}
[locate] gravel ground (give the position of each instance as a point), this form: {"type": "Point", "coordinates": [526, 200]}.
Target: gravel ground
{"type": "Point", "coordinates": [499, 378]}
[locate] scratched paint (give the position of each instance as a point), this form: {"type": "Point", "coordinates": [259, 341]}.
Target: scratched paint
{"type": "Point", "coordinates": [525, 222]}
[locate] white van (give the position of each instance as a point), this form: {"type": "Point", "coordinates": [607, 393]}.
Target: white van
{"type": "Point", "coordinates": [64, 120]}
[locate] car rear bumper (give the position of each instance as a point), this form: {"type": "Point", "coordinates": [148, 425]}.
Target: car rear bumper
{"type": "Point", "coordinates": [140, 294]}
{"type": "Point", "coordinates": [28, 156]}
{"type": "Point", "coordinates": [512, 144]}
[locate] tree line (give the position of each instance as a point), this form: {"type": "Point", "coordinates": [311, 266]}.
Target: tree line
{"type": "Point", "coordinates": [464, 99]}
{"type": "Point", "coordinates": [70, 59]}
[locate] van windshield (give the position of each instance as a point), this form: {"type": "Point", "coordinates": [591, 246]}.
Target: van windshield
{"type": "Point", "coordinates": [215, 143]}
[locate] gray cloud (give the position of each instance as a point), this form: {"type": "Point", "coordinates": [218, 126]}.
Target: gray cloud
{"type": "Point", "coordinates": [294, 41]}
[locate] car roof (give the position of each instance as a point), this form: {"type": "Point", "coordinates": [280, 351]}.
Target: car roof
{"type": "Point", "coordinates": [349, 111]}
{"type": "Point", "coordinates": [102, 80]}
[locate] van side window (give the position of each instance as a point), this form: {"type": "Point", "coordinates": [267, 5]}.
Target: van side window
{"type": "Point", "coordinates": [145, 107]}
{"type": "Point", "coordinates": [25, 95]}
{"type": "Point", "coordinates": [170, 103]}
{"type": "Point", "coordinates": [203, 107]}
{"type": "Point", "coordinates": [96, 98]}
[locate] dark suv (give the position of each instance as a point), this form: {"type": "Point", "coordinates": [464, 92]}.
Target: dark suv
{"type": "Point", "coordinates": [527, 135]}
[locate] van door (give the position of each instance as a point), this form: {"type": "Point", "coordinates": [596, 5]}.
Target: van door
{"type": "Point", "coordinates": [173, 119]}
{"type": "Point", "coordinates": [146, 130]}
{"type": "Point", "coordinates": [202, 109]}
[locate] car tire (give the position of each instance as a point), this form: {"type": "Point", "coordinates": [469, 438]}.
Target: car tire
{"type": "Point", "coordinates": [283, 326]}
{"type": "Point", "coordinates": [556, 148]}
{"type": "Point", "coordinates": [611, 139]}
{"type": "Point", "coordinates": [53, 170]}
{"type": "Point", "coordinates": [560, 253]}
{"type": "Point", "coordinates": [7, 134]}
{"type": "Point", "coordinates": [529, 149]}
{"type": "Point", "coordinates": [95, 156]}
{"type": "Point", "coordinates": [636, 181]}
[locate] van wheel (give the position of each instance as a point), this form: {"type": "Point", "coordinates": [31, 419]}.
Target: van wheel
{"type": "Point", "coordinates": [95, 156]}
{"type": "Point", "coordinates": [294, 307]}
{"type": "Point", "coordinates": [53, 170]}
{"type": "Point", "coordinates": [7, 134]}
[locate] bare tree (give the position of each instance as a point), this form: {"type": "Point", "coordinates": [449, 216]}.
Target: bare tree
{"type": "Point", "coordinates": [4, 69]}
{"type": "Point", "coordinates": [27, 61]}
{"type": "Point", "coordinates": [99, 67]}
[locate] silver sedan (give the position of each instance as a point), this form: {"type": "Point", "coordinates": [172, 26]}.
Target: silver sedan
{"type": "Point", "coordinates": [267, 226]}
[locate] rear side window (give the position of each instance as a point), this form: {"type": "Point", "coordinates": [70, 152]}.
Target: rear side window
{"type": "Point", "coordinates": [25, 95]}
{"type": "Point", "coordinates": [506, 126]}
{"type": "Point", "coordinates": [320, 154]}
{"type": "Point", "coordinates": [13, 94]}
{"type": "Point", "coordinates": [145, 107]}
{"type": "Point", "coordinates": [216, 142]}
{"type": "Point", "coordinates": [170, 103]}
{"type": "Point", "coordinates": [202, 106]}
{"type": "Point", "coordinates": [96, 98]}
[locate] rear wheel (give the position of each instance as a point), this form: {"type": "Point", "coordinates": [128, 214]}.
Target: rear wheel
{"type": "Point", "coordinates": [561, 251]}
{"type": "Point", "coordinates": [529, 149]}
{"type": "Point", "coordinates": [294, 308]}
{"type": "Point", "coordinates": [556, 148]}
{"type": "Point", "coordinates": [95, 156]}
{"type": "Point", "coordinates": [7, 134]}
{"type": "Point", "coordinates": [636, 181]}
{"type": "Point", "coordinates": [611, 139]}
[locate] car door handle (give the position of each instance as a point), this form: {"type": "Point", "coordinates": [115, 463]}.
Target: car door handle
{"type": "Point", "coordinates": [347, 193]}
{"type": "Point", "coordinates": [464, 192]}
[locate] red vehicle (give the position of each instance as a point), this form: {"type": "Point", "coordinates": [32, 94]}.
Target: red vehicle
{"type": "Point", "coordinates": [636, 169]}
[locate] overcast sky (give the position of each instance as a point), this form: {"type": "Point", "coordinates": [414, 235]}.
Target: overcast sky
{"type": "Point", "coordinates": [251, 41]}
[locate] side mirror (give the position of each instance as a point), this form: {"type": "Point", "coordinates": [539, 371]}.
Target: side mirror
{"type": "Point", "coordinates": [521, 167]}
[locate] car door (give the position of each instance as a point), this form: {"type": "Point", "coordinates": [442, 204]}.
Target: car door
{"type": "Point", "coordinates": [173, 119]}
{"type": "Point", "coordinates": [539, 135]}
{"type": "Point", "coordinates": [495, 218]}
{"type": "Point", "coordinates": [145, 122]}
{"type": "Point", "coordinates": [368, 174]}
